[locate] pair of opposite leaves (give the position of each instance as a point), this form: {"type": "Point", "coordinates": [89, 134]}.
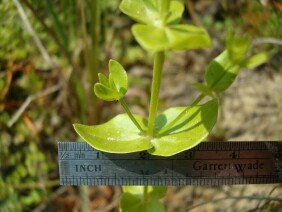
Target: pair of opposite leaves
{"type": "Point", "coordinates": [120, 135]}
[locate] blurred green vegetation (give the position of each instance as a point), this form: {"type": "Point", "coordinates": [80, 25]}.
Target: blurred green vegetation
{"type": "Point", "coordinates": [28, 155]}
{"type": "Point", "coordinates": [11, 26]}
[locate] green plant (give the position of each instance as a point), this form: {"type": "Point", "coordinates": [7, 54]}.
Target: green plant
{"type": "Point", "coordinates": [163, 135]}
{"type": "Point", "coordinates": [178, 128]}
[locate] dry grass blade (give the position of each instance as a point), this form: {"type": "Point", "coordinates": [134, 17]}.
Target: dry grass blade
{"type": "Point", "coordinates": [33, 34]}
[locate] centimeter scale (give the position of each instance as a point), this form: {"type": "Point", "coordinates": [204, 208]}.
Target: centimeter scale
{"type": "Point", "coordinates": [209, 163]}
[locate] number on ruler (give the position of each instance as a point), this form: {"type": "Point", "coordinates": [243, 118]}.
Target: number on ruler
{"type": "Point", "coordinates": [64, 155]}
{"type": "Point", "coordinates": [189, 155]}
{"type": "Point", "coordinates": [234, 155]}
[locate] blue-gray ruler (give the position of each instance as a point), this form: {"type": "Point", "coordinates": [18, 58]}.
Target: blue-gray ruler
{"type": "Point", "coordinates": [209, 163]}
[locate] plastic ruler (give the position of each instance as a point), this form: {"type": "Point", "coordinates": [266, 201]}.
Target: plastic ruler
{"type": "Point", "coordinates": [209, 163]}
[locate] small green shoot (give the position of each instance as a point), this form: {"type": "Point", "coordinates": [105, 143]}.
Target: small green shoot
{"type": "Point", "coordinates": [116, 86]}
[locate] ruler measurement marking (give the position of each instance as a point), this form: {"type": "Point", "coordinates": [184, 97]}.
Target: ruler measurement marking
{"type": "Point", "coordinates": [263, 158]}
{"type": "Point", "coordinates": [152, 159]}
{"type": "Point", "coordinates": [183, 181]}
{"type": "Point", "coordinates": [148, 156]}
{"type": "Point", "coordinates": [81, 157]}
{"type": "Point", "coordinates": [70, 156]}
{"type": "Point", "coordinates": [212, 147]}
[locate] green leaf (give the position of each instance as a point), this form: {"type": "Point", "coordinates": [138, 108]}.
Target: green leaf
{"type": "Point", "coordinates": [112, 83]}
{"type": "Point", "coordinates": [119, 135]}
{"type": "Point", "coordinates": [133, 198]}
{"type": "Point", "coordinates": [106, 93]}
{"type": "Point", "coordinates": [176, 37]}
{"type": "Point", "coordinates": [150, 37]}
{"type": "Point", "coordinates": [237, 47]}
{"type": "Point", "coordinates": [188, 37]}
{"type": "Point", "coordinates": [133, 189]}
{"type": "Point", "coordinates": [223, 70]}
{"type": "Point", "coordinates": [144, 11]}
{"type": "Point", "coordinates": [154, 192]}
{"type": "Point", "coordinates": [118, 76]}
{"type": "Point", "coordinates": [159, 33]}
{"type": "Point", "coordinates": [189, 131]}
{"type": "Point", "coordinates": [258, 59]}
{"type": "Point", "coordinates": [130, 203]}
{"type": "Point", "coordinates": [116, 86]}
{"type": "Point", "coordinates": [103, 80]}
{"type": "Point", "coordinates": [221, 73]}
{"type": "Point", "coordinates": [176, 10]}
{"type": "Point", "coordinates": [148, 11]}
{"type": "Point", "coordinates": [157, 192]}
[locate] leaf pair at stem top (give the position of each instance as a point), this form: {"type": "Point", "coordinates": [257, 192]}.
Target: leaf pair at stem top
{"type": "Point", "coordinates": [159, 29]}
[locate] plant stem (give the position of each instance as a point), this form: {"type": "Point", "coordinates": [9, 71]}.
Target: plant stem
{"type": "Point", "coordinates": [127, 110]}
{"type": "Point", "coordinates": [171, 124]}
{"type": "Point", "coordinates": [94, 56]}
{"type": "Point", "coordinates": [92, 65]}
{"type": "Point", "coordinates": [157, 74]}
{"type": "Point", "coordinates": [84, 198]}
{"type": "Point", "coordinates": [145, 192]}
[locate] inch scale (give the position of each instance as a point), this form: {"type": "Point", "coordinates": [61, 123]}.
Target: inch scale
{"type": "Point", "coordinates": [209, 163]}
